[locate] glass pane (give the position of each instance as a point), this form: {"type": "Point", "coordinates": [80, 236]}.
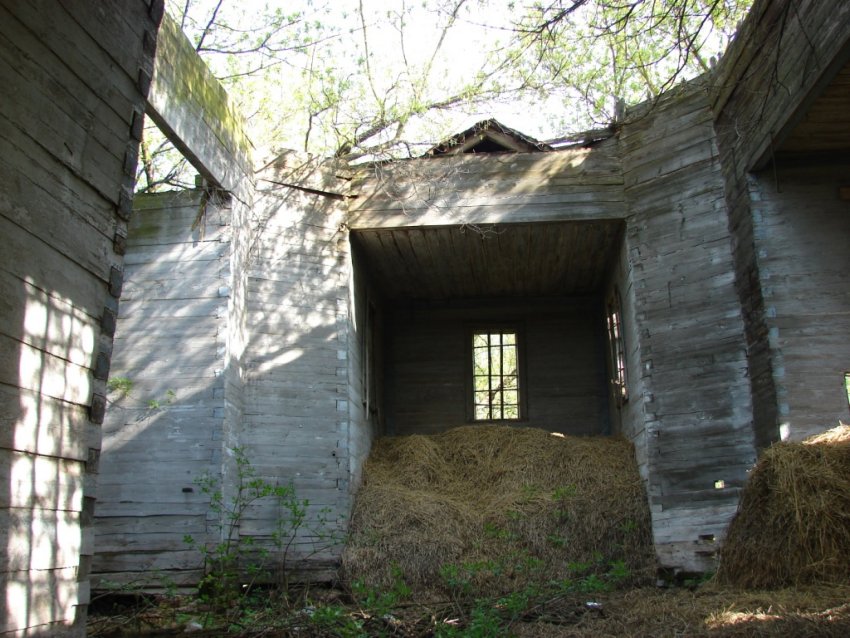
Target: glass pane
{"type": "Point", "coordinates": [509, 359]}
{"type": "Point", "coordinates": [495, 375]}
{"type": "Point", "coordinates": [481, 361]}
{"type": "Point", "coordinates": [482, 412]}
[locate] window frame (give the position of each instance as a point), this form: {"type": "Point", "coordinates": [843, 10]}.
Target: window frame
{"type": "Point", "coordinates": [618, 360]}
{"type": "Point", "coordinates": [522, 388]}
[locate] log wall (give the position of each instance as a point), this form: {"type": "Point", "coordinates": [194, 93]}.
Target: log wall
{"type": "Point", "coordinates": [693, 362]}
{"type": "Point", "coordinates": [366, 366]}
{"type": "Point", "coordinates": [164, 427]}
{"type": "Point", "coordinates": [786, 53]}
{"type": "Point", "coordinates": [296, 419]}
{"type": "Point", "coordinates": [74, 77]}
{"type": "Point", "coordinates": [801, 227]}
{"type": "Point", "coordinates": [573, 184]}
{"type": "Point", "coordinates": [628, 418]}
{"type": "Point", "coordinates": [562, 361]}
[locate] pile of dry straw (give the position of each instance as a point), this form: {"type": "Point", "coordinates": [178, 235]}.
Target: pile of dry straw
{"type": "Point", "coordinates": [510, 506]}
{"type": "Point", "coordinates": [793, 522]}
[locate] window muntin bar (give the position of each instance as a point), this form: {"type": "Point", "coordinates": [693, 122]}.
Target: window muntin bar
{"type": "Point", "coordinates": [495, 374]}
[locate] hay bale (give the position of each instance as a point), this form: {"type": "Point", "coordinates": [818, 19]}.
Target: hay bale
{"type": "Point", "coordinates": [793, 522]}
{"type": "Point", "coordinates": [507, 505]}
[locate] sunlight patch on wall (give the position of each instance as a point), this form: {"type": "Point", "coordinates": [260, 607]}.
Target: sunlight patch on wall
{"type": "Point", "coordinates": [43, 474]}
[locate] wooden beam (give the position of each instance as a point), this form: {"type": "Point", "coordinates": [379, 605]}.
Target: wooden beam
{"type": "Point", "coordinates": [193, 110]}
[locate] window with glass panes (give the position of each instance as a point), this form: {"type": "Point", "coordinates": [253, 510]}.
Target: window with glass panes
{"type": "Point", "coordinates": [495, 375]}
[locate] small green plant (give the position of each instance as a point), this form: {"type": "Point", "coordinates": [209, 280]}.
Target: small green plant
{"type": "Point", "coordinates": [336, 620]}
{"type": "Point", "coordinates": [493, 531]}
{"type": "Point", "coordinates": [235, 562]}
{"type": "Point", "coordinates": [565, 492]}
{"type": "Point", "coordinates": [157, 403]}
{"type": "Point", "coordinates": [381, 603]}
{"type": "Point", "coordinates": [122, 386]}
{"type": "Point", "coordinates": [628, 526]}
{"type": "Point", "coordinates": [484, 622]}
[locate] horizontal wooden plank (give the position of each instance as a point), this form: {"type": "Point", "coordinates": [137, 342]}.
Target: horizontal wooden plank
{"type": "Point", "coordinates": [50, 612]}
{"type": "Point", "coordinates": [41, 482]}
{"type": "Point", "coordinates": [55, 547]}
{"type": "Point", "coordinates": [477, 215]}
{"type": "Point", "coordinates": [35, 423]}
{"type": "Point", "coordinates": [32, 260]}
{"type": "Point", "coordinates": [32, 369]}
{"type": "Point", "coordinates": [61, 133]}
{"type": "Point", "coordinates": [47, 322]}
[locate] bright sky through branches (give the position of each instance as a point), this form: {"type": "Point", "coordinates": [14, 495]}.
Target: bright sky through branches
{"type": "Point", "coordinates": [372, 78]}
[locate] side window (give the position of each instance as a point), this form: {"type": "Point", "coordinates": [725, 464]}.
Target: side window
{"type": "Point", "coordinates": [616, 349]}
{"type": "Point", "coordinates": [495, 375]}
{"type": "Point", "coordinates": [847, 386]}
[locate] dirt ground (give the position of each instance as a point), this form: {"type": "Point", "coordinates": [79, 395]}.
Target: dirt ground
{"type": "Point", "coordinates": [707, 610]}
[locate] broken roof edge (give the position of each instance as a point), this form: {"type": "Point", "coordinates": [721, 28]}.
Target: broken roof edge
{"type": "Point", "coordinates": [492, 131]}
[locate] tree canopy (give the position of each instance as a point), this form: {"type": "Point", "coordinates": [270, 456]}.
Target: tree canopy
{"type": "Point", "coordinates": [372, 78]}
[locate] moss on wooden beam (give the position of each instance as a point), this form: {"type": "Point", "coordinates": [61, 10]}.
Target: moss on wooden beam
{"type": "Point", "coordinates": [194, 111]}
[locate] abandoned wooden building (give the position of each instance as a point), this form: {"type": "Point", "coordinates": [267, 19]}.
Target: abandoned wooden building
{"type": "Point", "coordinates": [678, 279]}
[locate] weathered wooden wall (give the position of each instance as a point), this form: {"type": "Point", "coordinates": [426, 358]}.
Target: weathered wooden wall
{"type": "Point", "coordinates": [801, 228]}
{"type": "Point", "coordinates": [572, 184]}
{"type": "Point", "coordinates": [366, 356]}
{"type": "Point", "coordinates": [785, 54]}
{"type": "Point", "coordinates": [562, 358]}
{"type": "Point", "coordinates": [296, 410]}
{"type": "Point", "coordinates": [628, 419]}
{"type": "Point", "coordinates": [182, 338]}
{"type": "Point", "coordinates": [693, 362]}
{"type": "Point", "coordinates": [164, 431]}
{"type": "Point", "coordinates": [74, 78]}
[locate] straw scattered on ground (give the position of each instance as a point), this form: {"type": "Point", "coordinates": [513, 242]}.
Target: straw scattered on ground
{"type": "Point", "coordinates": [793, 522]}
{"type": "Point", "coordinates": [503, 505]}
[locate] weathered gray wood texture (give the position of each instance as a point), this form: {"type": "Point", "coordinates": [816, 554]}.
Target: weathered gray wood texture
{"type": "Point", "coordinates": [338, 325]}
{"type": "Point", "coordinates": [488, 189]}
{"type": "Point", "coordinates": [428, 363]}
{"type": "Point", "coordinates": [166, 431]}
{"type": "Point", "coordinates": [786, 54]}
{"type": "Point", "coordinates": [689, 414]}
{"type": "Point", "coordinates": [692, 351]}
{"type": "Point", "coordinates": [297, 415]}
{"type": "Point", "coordinates": [801, 229]}
{"type": "Point", "coordinates": [366, 364]}
{"type": "Point", "coordinates": [194, 110]}
{"type": "Point", "coordinates": [628, 419]}
{"type": "Point", "coordinates": [73, 78]}
{"type": "Point", "coordinates": [532, 259]}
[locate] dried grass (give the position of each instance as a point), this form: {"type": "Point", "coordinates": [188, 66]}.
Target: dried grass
{"type": "Point", "coordinates": [527, 501]}
{"type": "Point", "coordinates": [710, 612]}
{"type": "Point", "coordinates": [793, 522]}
